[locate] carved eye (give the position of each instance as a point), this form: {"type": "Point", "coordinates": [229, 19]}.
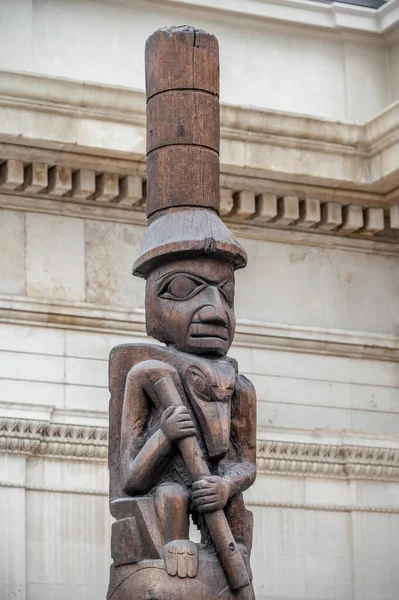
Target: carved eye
{"type": "Point", "coordinates": [197, 383]}
{"type": "Point", "coordinates": [181, 287]}
{"type": "Point", "coordinates": [227, 290]}
{"type": "Point", "coordinates": [200, 383]}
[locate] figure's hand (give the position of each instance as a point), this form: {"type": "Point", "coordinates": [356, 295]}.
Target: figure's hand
{"type": "Point", "coordinates": [210, 493]}
{"type": "Point", "coordinates": [176, 423]}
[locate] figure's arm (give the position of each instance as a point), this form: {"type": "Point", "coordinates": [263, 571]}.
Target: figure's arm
{"type": "Point", "coordinates": [239, 466]}
{"type": "Point", "coordinates": [142, 463]}
{"type": "Point", "coordinates": [237, 471]}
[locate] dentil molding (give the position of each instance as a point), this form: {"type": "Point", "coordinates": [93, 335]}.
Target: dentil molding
{"type": "Point", "coordinates": [265, 212]}
{"type": "Point", "coordinates": [75, 442]}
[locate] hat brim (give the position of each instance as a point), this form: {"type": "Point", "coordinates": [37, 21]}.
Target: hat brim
{"type": "Point", "coordinates": [188, 232]}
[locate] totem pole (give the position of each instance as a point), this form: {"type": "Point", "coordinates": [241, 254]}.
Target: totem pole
{"type": "Point", "coordinates": [182, 419]}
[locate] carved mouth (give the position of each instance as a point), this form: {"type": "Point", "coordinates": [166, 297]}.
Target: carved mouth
{"type": "Point", "coordinates": [197, 336]}
{"type": "Point", "coordinates": [209, 332]}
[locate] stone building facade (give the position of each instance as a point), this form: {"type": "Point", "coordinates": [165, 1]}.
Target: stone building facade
{"type": "Point", "coordinates": [310, 176]}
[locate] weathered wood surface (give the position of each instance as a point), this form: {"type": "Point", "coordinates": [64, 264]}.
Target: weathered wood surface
{"type": "Point", "coordinates": [182, 73]}
{"type": "Point", "coordinates": [182, 418]}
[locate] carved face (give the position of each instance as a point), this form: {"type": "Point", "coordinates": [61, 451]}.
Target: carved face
{"type": "Point", "coordinates": [190, 304]}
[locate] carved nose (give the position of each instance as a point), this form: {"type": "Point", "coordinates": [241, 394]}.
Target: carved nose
{"type": "Point", "coordinates": [209, 314]}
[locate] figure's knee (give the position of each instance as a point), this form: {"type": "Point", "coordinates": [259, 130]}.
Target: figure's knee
{"type": "Point", "coordinates": [171, 493]}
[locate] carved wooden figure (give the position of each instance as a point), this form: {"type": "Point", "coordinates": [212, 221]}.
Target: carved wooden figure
{"type": "Point", "coordinates": [182, 419]}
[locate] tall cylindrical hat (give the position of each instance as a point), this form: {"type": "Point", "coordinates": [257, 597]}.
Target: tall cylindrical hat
{"type": "Point", "coordinates": [183, 133]}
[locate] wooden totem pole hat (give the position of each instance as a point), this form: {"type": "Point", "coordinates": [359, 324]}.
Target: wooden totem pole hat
{"type": "Point", "coordinates": [183, 132]}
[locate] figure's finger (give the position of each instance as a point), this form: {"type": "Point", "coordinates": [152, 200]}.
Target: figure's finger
{"type": "Point", "coordinates": [192, 565]}
{"type": "Point", "coordinates": [200, 484]}
{"type": "Point", "coordinates": [200, 503]}
{"type": "Point", "coordinates": [207, 508]}
{"type": "Point", "coordinates": [181, 418]}
{"type": "Point", "coordinates": [187, 432]}
{"type": "Point", "coordinates": [182, 565]}
{"type": "Point", "coordinates": [171, 561]}
{"type": "Point", "coordinates": [203, 493]}
{"type": "Point", "coordinates": [168, 412]}
{"type": "Point", "coordinates": [181, 410]}
{"type": "Point", "coordinates": [212, 478]}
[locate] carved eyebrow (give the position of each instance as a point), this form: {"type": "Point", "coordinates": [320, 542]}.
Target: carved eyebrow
{"type": "Point", "coordinates": [193, 275]}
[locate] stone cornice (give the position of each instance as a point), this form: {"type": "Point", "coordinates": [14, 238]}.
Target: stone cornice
{"type": "Point", "coordinates": [117, 320]}
{"type": "Point", "coordinates": [338, 160]}
{"type": "Point", "coordinates": [75, 442]}
{"type": "Point", "coordinates": [335, 17]}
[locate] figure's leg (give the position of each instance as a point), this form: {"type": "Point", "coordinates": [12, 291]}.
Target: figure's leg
{"type": "Point", "coordinates": [180, 554]}
{"type": "Point", "coordinates": [241, 524]}
{"type": "Point", "coordinates": [240, 520]}
{"type": "Point", "coordinates": [171, 504]}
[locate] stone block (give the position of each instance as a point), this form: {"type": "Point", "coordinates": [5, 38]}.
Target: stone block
{"type": "Point", "coordinates": [337, 491]}
{"type": "Point", "coordinates": [375, 550]}
{"type": "Point", "coordinates": [86, 398]}
{"type": "Point", "coordinates": [373, 220]}
{"type": "Point", "coordinates": [86, 372]}
{"type": "Point", "coordinates": [31, 367]}
{"type": "Point", "coordinates": [11, 174]}
{"type": "Point", "coordinates": [55, 257]}
{"type": "Point", "coordinates": [266, 207]}
{"type": "Point", "coordinates": [59, 180]}
{"type": "Point", "coordinates": [331, 216]}
{"type": "Point", "coordinates": [130, 190]}
{"type": "Point", "coordinates": [110, 252]}
{"type": "Point", "coordinates": [352, 218]}
{"type": "Point", "coordinates": [309, 212]}
{"type": "Point", "coordinates": [90, 344]}
{"type": "Point", "coordinates": [83, 184]}
{"type": "Point", "coordinates": [276, 488]}
{"type": "Point", "coordinates": [287, 210]}
{"type": "Point", "coordinates": [107, 187]}
{"type": "Point", "coordinates": [59, 517]}
{"type": "Point", "coordinates": [299, 416]}
{"type": "Point", "coordinates": [12, 547]}
{"type": "Point", "coordinates": [328, 577]}
{"type": "Point", "coordinates": [375, 422]}
{"type": "Point", "coordinates": [226, 202]}
{"type": "Point", "coordinates": [394, 216]}
{"type": "Point", "coordinates": [287, 575]}
{"type": "Point", "coordinates": [244, 205]}
{"type": "Point", "coordinates": [36, 177]}
{"type": "Point", "coordinates": [12, 252]}
{"type": "Point", "coordinates": [38, 340]}
{"type": "Point", "coordinates": [318, 367]}
{"type": "Point", "coordinates": [31, 393]}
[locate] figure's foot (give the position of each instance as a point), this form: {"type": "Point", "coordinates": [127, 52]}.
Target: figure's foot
{"type": "Point", "coordinates": [181, 558]}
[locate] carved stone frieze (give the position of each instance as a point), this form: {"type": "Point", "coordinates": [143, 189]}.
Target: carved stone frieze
{"type": "Point", "coordinates": [55, 440]}
{"type": "Point", "coordinates": [325, 460]}
{"type": "Point", "coordinates": [90, 443]}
